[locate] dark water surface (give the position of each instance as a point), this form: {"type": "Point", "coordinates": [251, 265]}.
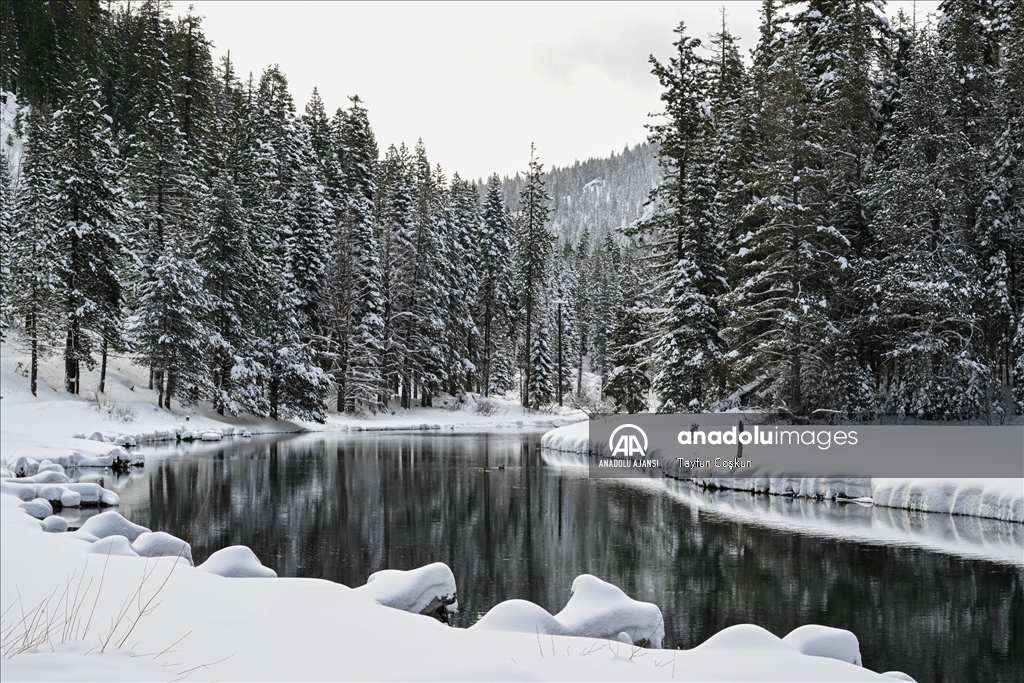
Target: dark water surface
{"type": "Point", "coordinates": [341, 507]}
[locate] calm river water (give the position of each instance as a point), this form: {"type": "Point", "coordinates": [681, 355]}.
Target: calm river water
{"type": "Point", "coordinates": [341, 507]}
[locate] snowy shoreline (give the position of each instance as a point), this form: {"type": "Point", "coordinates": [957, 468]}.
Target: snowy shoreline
{"type": "Point", "coordinates": [1000, 499]}
{"type": "Point", "coordinates": [209, 623]}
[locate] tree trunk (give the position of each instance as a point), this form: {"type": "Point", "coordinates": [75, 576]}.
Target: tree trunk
{"type": "Point", "coordinates": [33, 381]}
{"type": "Point", "coordinates": [103, 368]}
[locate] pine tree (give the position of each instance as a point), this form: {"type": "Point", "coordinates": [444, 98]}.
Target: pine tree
{"type": "Point", "coordinates": [393, 209]}
{"type": "Point", "coordinates": [229, 267]}
{"type": "Point", "coordinates": [7, 229]}
{"type": "Point", "coordinates": [541, 386]}
{"type": "Point", "coordinates": [362, 351]}
{"type": "Point", "coordinates": [628, 383]}
{"type": "Point", "coordinates": [687, 237]}
{"type": "Point", "coordinates": [34, 287]}
{"type": "Point", "coordinates": [494, 258]}
{"type": "Point", "coordinates": [88, 210]}
{"type": "Point", "coordinates": [535, 243]}
{"type": "Point", "coordinates": [927, 283]}
{"type": "Point", "coordinates": [461, 284]}
{"type": "Point", "coordinates": [789, 259]}
{"type": "Point", "coordinates": [169, 327]}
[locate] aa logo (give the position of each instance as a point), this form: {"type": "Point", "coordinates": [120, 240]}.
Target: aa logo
{"type": "Point", "coordinates": [628, 441]}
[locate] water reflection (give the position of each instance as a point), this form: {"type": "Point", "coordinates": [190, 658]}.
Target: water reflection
{"type": "Point", "coordinates": [341, 508]}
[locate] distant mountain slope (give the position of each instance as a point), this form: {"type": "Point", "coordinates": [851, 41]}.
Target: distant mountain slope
{"type": "Point", "coordinates": [596, 194]}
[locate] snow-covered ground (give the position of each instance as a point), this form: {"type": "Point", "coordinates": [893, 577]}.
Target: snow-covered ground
{"type": "Point", "coordinates": [115, 601]}
{"type": "Point", "coordinates": [1001, 499]}
{"type": "Point", "coordinates": [72, 614]}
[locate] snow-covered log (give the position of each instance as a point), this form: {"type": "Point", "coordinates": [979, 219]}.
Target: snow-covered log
{"type": "Point", "coordinates": [427, 590]}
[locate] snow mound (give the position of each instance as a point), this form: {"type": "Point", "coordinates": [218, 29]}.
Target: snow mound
{"type": "Point", "coordinates": [211, 436]}
{"type": "Point", "coordinates": [45, 477]}
{"type": "Point", "coordinates": [112, 545]}
{"type": "Point", "coordinates": [427, 590]}
{"type": "Point", "coordinates": [743, 638]}
{"type": "Point", "coordinates": [54, 524]}
{"type": "Point", "coordinates": [160, 544]}
{"type": "Point", "coordinates": [596, 609]}
{"type": "Point", "coordinates": [236, 562]}
{"type": "Point", "coordinates": [825, 641]}
{"type": "Point", "coordinates": [38, 508]}
{"type": "Point", "coordinates": [110, 523]}
{"type": "Point", "coordinates": [573, 438]}
{"type": "Point", "coordinates": [520, 616]}
{"type": "Point", "coordinates": [24, 493]}
{"type": "Point", "coordinates": [599, 609]}
{"type": "Point", "coordinates": [899, 676]}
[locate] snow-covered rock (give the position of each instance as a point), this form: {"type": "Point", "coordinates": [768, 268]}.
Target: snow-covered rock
{"type": "Point", "coordinates": [237, 562]}
{"type": "Point", "coordinates": [110, 523]}
{"type": "Point", "coordinates": [426, 590]}
{"type": "Point", "coordinates": [596, 609]}
{"type": "Point", "coordinates": [47, 466]}
{"type": "Point", "coordinates": [54, 524]}
{"type": "Point", "coordinates": [189, 435]}
{"type": "Point", "coordinates": [97, 436]}
{"type": "Point", "coordinates": [211, 436]}
{"type": "Point", "coordinates": [38, 508]}
{"type": "Point", "coordinates": [826, 641]}
{"type": "Point", "coordinates": [112, 545]}
{"type": "Point", "coordinates": [160, 544]}
{"type": "Point", "coordinates": [599, 609]}
{"type": "Point", "coordinates": [24, 466]}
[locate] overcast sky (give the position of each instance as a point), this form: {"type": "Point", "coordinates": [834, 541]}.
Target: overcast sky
{"type": "Point", "coordinates": [477, 81]}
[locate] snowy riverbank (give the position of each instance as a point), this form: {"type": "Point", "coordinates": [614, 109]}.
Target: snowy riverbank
{"type": "Point", "coordinates": [1000, 499]}
{"type": "Point", "coordinates": [115, 601]}
{"type": "Point", "coordinates": [198, 623]}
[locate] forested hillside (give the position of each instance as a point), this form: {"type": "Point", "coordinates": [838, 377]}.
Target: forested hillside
{"type": "Point", "coordinates": [836, 227]}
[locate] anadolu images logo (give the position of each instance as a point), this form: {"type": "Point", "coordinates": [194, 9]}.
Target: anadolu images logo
{"type": "Point", "coordinates": [632, 443]}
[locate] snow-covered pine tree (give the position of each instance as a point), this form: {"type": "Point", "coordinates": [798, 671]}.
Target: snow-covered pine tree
{"type": "Point", "coordinates": [541, 386]}
{"type": "Point", "coordinates": [1007, 182]}
{"type": "Point", "coordinates": [583, 309]}
{"type": "Point", "coordinates": [361, 300]}
{"type": "Point", "coordinates": [561, 288]}
{"type": "Point", "coordinates": [494, 257]}
{"type": "Point", "coordinates": [6, 238]}
{"type": "Point", "coordinates": [628, 383]}
{"type": "Point", "coordinates": [462, 334]}
{"type": "Point", "coordinates": [171, 309]}
{"type": "Point", "coordinates": [926, 287]}
{"type": "Point", "coordinates": [393, 209]}
{"type": "Point", "coordinates": [534, 248]}
{"type": "Point", "coordinates": [296, 384]}
{"type": "Point", "coordinates": [1000, 223]}
{"type": "Point", "coordinates": [687, 240]}
{"type": "Point", "coordinates": [229, 269]}
{"type": "Point", "coordinates": [88, 205]}
{"type": "Point", "coordinates": [788, 259]}
{"type": "Point", "coordinates": [161, 183]}
{"type": "Point", "coordinates": [605, 272]}
{"type": "Point", "coordinates": [34, 285]}
{"type": "Point", "coordinates": [840, 46]}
